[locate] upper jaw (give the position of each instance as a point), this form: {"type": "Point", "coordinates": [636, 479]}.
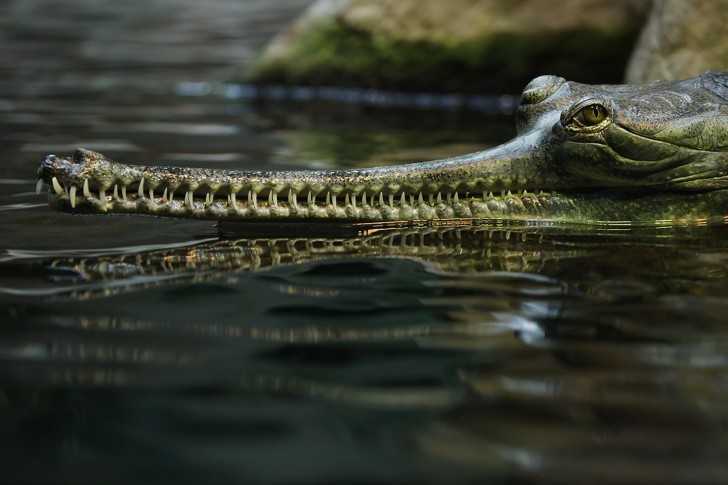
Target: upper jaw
{"type": "Point", "coordinates": [451, 188]}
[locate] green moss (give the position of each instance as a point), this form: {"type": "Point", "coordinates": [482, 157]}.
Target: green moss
{"type": "Point", "coordinates": [335, 54]}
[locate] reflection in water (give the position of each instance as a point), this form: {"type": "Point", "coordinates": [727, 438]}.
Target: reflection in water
{"type": "Point", "coordinates": [522, 352]}
{"type": "Point", "coordinates": [469, 249]}
{"type": "Point", "coordinates": [655, 257]}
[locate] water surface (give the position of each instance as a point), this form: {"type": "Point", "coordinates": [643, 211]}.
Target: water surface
{"type": "Point", "coordinates": [143, 350]}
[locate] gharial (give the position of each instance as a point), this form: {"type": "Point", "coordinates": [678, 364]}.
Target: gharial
{"type": "Point", "coordinates": [654, 154]}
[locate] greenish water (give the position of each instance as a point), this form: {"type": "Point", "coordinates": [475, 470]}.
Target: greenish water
{"type": "Point", "coordinates": [138, 350]}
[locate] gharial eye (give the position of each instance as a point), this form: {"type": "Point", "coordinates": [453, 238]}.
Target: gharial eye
{"type": "Point", "coordinates": [587, 116]}
{"type": "Point", "coordinates": [592, 115]}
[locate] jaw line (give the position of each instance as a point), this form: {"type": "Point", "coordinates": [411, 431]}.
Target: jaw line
{"type": "Point", "coordinates": [428, 190]}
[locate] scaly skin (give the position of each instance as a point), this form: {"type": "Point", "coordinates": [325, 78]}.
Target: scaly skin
{"type": "Point", "coordinates": [652, 154]}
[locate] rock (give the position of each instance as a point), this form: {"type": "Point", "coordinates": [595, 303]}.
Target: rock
{"type": "Point", "coordinates": [682, 39]}
{"type": "Point", "coordinates": [458, 45]}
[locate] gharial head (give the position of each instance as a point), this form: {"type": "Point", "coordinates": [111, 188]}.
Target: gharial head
{"type": "Point", "coordinates": [666, 135]}
{"type": "Point", "coordinates": [615, 152]}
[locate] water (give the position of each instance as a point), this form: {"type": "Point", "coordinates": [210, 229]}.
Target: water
{"type": "Point", "coordinates": [141, 350]}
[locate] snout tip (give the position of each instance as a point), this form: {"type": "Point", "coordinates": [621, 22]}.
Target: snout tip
{"type": "Point", "coordinates": [47, 164]}
{"type": "Point", "coordinates": [48, 160]}
{"type": "Point", "coordinates": [52, 166]}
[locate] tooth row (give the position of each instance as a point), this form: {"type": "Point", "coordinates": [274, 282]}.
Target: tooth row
{"type": "Point", "coordinates": [328, 205]}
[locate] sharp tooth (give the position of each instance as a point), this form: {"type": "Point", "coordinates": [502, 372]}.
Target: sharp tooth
{"type": "Point", "coordinates": [484, 195]}
{"type": "Point", "coordinates": [353, 200]}
{"type": "Point", "coordinates": [328, 198]}
{"type": "Point", "coordinates": [308, 198]}
{"type": "Point", "coordinates": [509, 193]}
{"type": "Point", "coordinates": [347, 200]}
{"type": "Point", "coordinates": [364, 198]}
{"type": "Point", "coordinates": [333, 200]}
{"type": "Point", "coordinates": [381, 199]}
{"type": "Point", "coordinates": [86, 191]}
{"type": "Point", "coordinates": [164, 195]}
{"type": "Point", "coordinates": [402, 199]}
{"type": "Point", "coordinates": [254, 199]}
{"type": "Point", "coordinates": [72, 196]}
{"type": "Point", "coordinates": [391, 200]}
{"type": "Point", "coordinates": [275, 198]}
{"type": "Point", "coordinates": [270, 198]}
{"type": "Point", "coordinates": [412, 200]}
{"type": "Point", "coordinates": [123, 192]}
{"type": "Point", "coordinates": [431, 199]}
{"type": "Point", "coordinates": [420, 199]}
{"type": "Point", "coordinates": [171, 196]}
{"type": "Point", "coordinates": [141, 189]}
{"type": "Point", "coordinates": [38, 186]}
{"type": "Point", "coordinates": [292, 199]}
{"type": "Point", "coordinates": [151, 194]}
{"type": "Point", "coordinates": [455, 197]}
{"type": "Point", "coordinates": [490, 194]}
{"type": "Point", "coordinates": [56, 186]}
{"type": "Point", "coordinates": [116, 192]}
{"type": "Point", "coordinates": [189, 199]}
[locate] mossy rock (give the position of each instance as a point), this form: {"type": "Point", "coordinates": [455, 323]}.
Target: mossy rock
{"type": "Point", "coordinates": [502, 48]}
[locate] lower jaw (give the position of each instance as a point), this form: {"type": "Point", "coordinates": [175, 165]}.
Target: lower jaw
{"type": "Point", "coordinates": [596, 208]}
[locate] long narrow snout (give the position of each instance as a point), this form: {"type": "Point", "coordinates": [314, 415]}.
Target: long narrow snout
{"type": "Point", "coordinates": [504, 180]}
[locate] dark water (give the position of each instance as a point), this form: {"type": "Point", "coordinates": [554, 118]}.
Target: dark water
{"type": "Point", "coordinates": [141, 350]}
